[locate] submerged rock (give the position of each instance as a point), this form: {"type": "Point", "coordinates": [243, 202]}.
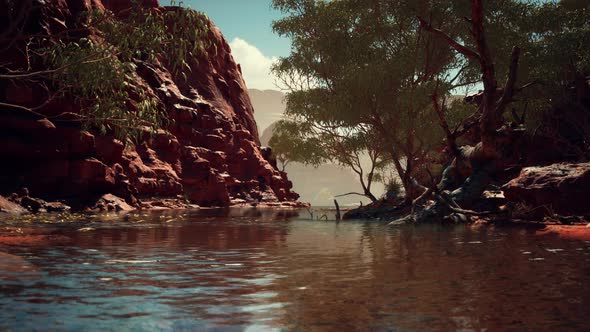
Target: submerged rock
{"type": "Point", "coordinates": [560, 188]}
{"type": "Point", "coordinates": [571, 232]}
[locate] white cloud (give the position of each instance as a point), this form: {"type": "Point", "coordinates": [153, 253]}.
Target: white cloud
{"type": "Point", "coordinates": [255, 65]}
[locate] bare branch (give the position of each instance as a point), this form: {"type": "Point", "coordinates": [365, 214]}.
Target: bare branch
{"type": "Point", "coordinates": [459, 72]}
{"type": "Point", "coordinates": [529, 84]}
{"type": "Point", "coordinates": [458, 85]}
{"type": "Point", "coordinates": [450, 41]}
{"type": "Point", "coordinates": [21, 108]}
{"type": "Point", "coordinates": [351, 193]}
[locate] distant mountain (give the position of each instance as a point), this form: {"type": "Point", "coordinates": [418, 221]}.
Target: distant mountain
{"type": "Point", "coordinates": [269, 106]}
{"type": "Point", "coordinates": [317, 186]}
{"type": "Point", "coordinates": [267, 134]}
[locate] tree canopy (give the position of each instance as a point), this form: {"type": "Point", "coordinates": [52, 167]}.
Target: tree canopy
{"type": "Point", "coordinates": [389, 68]}
{"type": "Point", "coordinates": [360, 67]}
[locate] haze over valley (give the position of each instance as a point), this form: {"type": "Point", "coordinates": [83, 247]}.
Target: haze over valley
{"type": "Point", "coordinates": [316, 185]}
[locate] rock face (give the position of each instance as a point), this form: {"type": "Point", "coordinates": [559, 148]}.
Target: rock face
{"type": "Point", "coordinates": [563, 188]}
{"type": "Point", "coordinates": [209, 154]}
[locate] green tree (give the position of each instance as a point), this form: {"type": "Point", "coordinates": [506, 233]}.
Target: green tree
{"type": "Point", "coordinates": [290, 144]}
{"type": "Point", "coordinates": [391, 65]}
{"type": "Point", "coordinates": [474, 166]}
{"type": "Point", "coordinates": [313, 144]}
{"type": "Point", "coordinates": [367, 66]}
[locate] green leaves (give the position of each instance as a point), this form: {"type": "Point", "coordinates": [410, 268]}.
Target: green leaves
{"type": "Point", "coordinates": [291, 142]}
{"type": "Point", "coordinates": [174, 36]}
{"type": "Point", "coordinates": [100, 74]}
{"type": "Point", "coordinates": [360, 76]}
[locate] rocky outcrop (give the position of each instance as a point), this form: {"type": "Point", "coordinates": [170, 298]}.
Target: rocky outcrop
{"type": "Point", "coordinates": [21, 203]}
{"type": "Point", "coordinates": [209, 154]}
{"type": "Point", "coordinates": [110, 202]}
{"type": "Point", "coordinates": [10, 208]}
{"type": "Point", "coordinates": [560, 188]}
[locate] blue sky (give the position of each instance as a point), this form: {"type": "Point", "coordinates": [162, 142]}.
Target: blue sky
{"type": "Point", "coordinates": [249, 20]}
{"type": "Point", "coordinates": [246, 24]}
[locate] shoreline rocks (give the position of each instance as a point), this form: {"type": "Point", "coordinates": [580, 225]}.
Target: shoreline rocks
{"type": "Point", "coordinates": [10, 208]}
{"type": "Point", "coordinates": [111, 203]}
{"type": "Point", "coordinates": [562, 188]}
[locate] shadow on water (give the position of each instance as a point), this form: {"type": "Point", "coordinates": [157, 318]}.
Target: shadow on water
{"type": "Point", "coordinates": [264, 269]}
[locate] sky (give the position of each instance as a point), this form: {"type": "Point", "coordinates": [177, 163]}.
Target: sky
{"type": "Point", "coordinates": [246, 24]}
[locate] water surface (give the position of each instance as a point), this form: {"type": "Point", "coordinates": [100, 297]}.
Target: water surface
{"type": "Point", "coordinates": [268, 270]}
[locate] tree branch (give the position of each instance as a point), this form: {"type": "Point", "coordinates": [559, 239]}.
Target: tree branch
{"type": "Point", "coordinates": [21, 108]}
{"type": "Point", "coordinates": [83, 60]}
{"type": "Point", "coordinates": [450, 41]}
{"type": "Point", "coordinates": [442, 121]}
{"type": "Point", "coordinates": [510, 82]}
{"type": "Point", "coordinates": [351, 193]}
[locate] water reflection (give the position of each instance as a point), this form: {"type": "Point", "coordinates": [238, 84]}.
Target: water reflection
{"type": "Point", "coordinates": [261, 270]}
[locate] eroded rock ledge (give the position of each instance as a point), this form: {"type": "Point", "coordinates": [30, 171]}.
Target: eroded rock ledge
{"type": "Point", "coordinates": [559, 188]}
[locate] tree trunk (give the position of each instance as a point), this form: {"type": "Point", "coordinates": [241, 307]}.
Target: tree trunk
{"type": "Point", "coordinates": [466, 178]}
{"type": "Point", "coordinates": [370, 196]}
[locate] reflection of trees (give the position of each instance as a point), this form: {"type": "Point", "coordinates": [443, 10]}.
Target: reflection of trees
{"type": "Point", "coordinates": [422, 278]}
{"type": "Point", "coordinates": [240, 267]}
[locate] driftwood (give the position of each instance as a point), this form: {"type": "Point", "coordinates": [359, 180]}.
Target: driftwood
{"type": "Point", "coordinates": [338, 217]}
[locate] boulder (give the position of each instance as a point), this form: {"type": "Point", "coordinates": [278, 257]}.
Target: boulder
{"type": "Point", "coordinates": [561, 188]}
{"type": "Point", "coordinates": [109, 149]}
{"type": "Point", "coordinates": [10, 208]}
{"type": "Point", "coordinates": [33, 204]}
{"type": "Point", "coordinates": [214, 142]}
{"type": "Point", "coordinates": [209, 189]}
{"type": "Point", "coordinates": [39, 205]}
{"type": "Point", "coordinates": [110, 202]}
{"type": "Point", "coordinates": [57, 207]}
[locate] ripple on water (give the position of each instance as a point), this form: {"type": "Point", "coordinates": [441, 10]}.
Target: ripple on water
{"type": "Point", "coordinates": [228, 274]}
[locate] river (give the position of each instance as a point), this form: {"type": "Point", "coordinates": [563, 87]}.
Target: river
{"type": "Point", "coordinates": [271, 270]}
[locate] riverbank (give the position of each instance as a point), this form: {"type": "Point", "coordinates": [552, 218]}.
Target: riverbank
{"type": "Point", "coordinates": [19, 204]}
{"type": "Point", "coordinates": [46, 229]}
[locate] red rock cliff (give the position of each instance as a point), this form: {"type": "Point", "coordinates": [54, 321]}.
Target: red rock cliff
{"type": "Point", "coordinates": [210, 153]}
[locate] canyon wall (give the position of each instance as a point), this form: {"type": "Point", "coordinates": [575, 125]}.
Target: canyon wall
{"type": "Point", "coordinates": [209, 154]}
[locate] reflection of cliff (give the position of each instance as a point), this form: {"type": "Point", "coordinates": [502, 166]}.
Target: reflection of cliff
{"type": "Point", "coordinates": [237, 268]}
{"type": "Point", "coordinates": [315, 185]}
